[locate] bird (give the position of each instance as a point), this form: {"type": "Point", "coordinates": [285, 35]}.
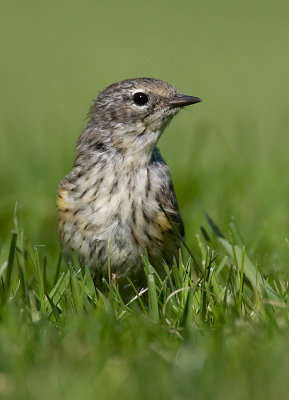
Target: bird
{"type": "Point", "coordinates": [118, 201]}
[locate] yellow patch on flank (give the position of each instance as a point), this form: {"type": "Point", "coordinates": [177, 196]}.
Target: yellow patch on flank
{"type": "Point", "coordinates": [62, 202]}
{"type": "Point", "coordinates": [163, 222]}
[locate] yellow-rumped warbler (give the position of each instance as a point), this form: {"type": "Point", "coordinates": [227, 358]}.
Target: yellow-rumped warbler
{"type": "Point", "coordinates": [111, 204]}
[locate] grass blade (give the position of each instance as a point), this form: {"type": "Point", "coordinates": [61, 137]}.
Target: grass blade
{"type": "Point", "coordinates": [7, 282]}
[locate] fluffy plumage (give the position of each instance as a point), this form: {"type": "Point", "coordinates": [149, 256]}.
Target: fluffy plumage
{"type": "Point", "coordinates": [109, 204]}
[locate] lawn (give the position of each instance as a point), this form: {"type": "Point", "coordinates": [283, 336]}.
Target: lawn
{"type": "Point", "coordinates": [217, 327]}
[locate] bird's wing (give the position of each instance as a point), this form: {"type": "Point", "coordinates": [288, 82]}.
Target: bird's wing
{"type": "Point", "coordinates": [166, 195]}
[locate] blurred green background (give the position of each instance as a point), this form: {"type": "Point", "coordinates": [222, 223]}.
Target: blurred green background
{"type": "Point", "coordinates": [228, 154]}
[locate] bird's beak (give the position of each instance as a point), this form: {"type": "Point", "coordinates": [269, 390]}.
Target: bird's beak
{"type": "Point", "coordinates": [182, 100]}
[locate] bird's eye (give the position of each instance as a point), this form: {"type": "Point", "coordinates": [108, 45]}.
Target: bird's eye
{"type": "Point", "coordinates": [140, 99]}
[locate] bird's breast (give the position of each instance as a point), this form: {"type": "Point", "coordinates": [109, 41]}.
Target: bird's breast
{"type": "Point", "coordinates": [109, 200]}
{"type": "Point", "coordinates": [115, 207]}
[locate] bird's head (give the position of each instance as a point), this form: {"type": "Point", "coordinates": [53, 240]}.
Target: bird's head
{"type": "Point", "coordinates": [131, 115]}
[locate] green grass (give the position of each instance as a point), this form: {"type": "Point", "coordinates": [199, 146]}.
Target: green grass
{"type": "Point", "coordinates": [219, 330]}
{"type": "Point", "coordinates": [213, 327]}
